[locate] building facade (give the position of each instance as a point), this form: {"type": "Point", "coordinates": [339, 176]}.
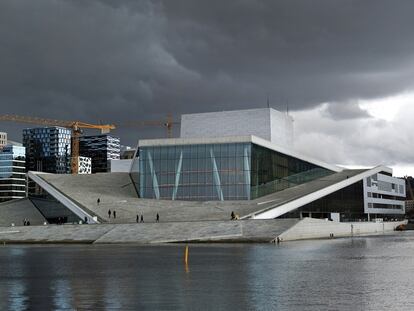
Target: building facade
{"type": "Point", "coordinates": [12, 173]}
{"type": "Point", "coordinates": [84, 165]}
{"type": "Point", "coordinates": [250, 168]}
{"type": "Point", "coordinates": [237, 168]}
{"type": "Point", "coordinates": [101, 149]}
{"type": "Point", "coordinates": [383, 192]}
{"type": "Point", "coordinates": [206, 164]}
{"type": "Point", "coordinates": [3, 139]}
{"type": "Point", "coordinates": [48, 149]}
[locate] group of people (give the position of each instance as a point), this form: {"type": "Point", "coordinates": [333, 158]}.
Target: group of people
{"type": "Point", "coordinates": [26, 222]}
{"type": "Point", "coordinates": [111, 213]}
{"type": "Point", "coordinates": [141, 218]}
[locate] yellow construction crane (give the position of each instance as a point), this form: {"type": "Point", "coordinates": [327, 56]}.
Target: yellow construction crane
{"type": "Point", "coordinates": [75, 126]}
{"type": "Point", "coordinates": [168, 123]}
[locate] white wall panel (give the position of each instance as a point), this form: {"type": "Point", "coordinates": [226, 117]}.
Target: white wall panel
{"type": "Point", "coordinates": [266, 123]}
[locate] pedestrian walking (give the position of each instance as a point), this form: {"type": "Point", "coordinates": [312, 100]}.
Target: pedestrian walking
{"type": "Point", "coordinates": [142, 218]}
{"type": "Point", "coordinates": [109, 213]}
{"type": "Point", "coordinates": [137, 218]}
{"type": "Point", "coordinates": [24, 222]}
{"type": "Point", "coordinates": [114, 214]}
{"type": "Point", "coordinates": [157, 218]}
{"type": "Point", "coordinates": [98, 201]}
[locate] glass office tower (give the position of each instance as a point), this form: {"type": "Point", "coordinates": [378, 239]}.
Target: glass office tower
{"type": "Point", "coordinates": [222, 171]}
{"type": "Point", "coordinates": [48, 149]}
{"type": "Point", "coordinates": [12, 173]}
{"type": "Point", "coordinates": [101, 149]}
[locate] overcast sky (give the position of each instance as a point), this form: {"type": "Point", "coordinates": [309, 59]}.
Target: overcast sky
{"type": "Point", "coordinates": [345, 68]}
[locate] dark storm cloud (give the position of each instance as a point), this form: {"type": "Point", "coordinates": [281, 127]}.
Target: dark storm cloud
{"type": "Point", "coordinates": [121, 60]}
{"type": "Point", "coordinates": [345, 111]}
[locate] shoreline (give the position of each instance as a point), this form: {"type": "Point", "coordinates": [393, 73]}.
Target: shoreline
{"type": "Point", "coordinates": [201, 232]}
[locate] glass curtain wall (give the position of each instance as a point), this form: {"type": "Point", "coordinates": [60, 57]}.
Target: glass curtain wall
{"type": "Point", "coordinates": [195, 172]}
{"type": "Point", "coordinates": [273, 171]}
{"type": "Point", "coordinates": [210, 172]}
{"type": "Point", "coordinates": [349, 202]}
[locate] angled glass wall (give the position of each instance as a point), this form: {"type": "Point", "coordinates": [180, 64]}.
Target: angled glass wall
{"type": "Point", "coordinates": [211, 172]}
{"type": "Point", "coordinates": [274, 171]}
{"type": "Point", "coordinates": [195, 172]}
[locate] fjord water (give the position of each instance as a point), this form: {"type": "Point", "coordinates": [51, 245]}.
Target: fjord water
{"type": "Point", "coordinates": [370, 273]}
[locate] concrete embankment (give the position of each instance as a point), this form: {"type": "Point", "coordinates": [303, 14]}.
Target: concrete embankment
{"type": "Point", "coordinates": [146, 233]}
{"type": "Point", "coordinates": [243, 231]}
{"type": "Point", "coordinates": [310, 228]}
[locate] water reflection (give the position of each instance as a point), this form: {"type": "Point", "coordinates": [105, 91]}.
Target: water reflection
{"type": "Point", "coordinates": [16, 296]}
{"type": "Point", "coordinates": [364, 274]}
{"type": "Point", "coordinates": [62, 295]}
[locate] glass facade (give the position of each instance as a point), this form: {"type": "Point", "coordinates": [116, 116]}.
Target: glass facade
{"type": "Point", "coordinates": [195, 172]}
{"type": "Point", "coordinates": [53, 210]}
{"type": "Point", "coordinates": [101, 149]}
{"type": "Point", "coordinates": [349, 202]}
{"type": "Point", "coordinates": [48, 149]}
{"type": "Point", "coordinates": [274, 171]}
{"type": "Point", "coordinates": [209, 172]}
{"type": "Point", "coordinates": [12, 173]}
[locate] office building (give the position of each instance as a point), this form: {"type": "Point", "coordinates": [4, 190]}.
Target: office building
{"type": "Point", "coordinates": [3, 139]}
{"type": "Point", "coordinates": [48, 149]}
{"type": "Point", "coordinates": [101, 149]}
{"type": "Point", "coordinates": [12, 173]}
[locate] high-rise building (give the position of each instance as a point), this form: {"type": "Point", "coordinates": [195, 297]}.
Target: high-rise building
{"type": "Point", "coordinates": [3, 139]}
{"type": "Point", "coordinates": [12, 173]}
{"type": "Point", "coordinates": [101, 149]}
{"type": "Point", "coordinates": [48, 149]}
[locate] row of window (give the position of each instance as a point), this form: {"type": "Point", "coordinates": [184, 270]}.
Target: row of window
{"type": "Point", "coordinates": [12, 194]}
{"type": "Point", "coordinates": [11, 162]}
{"type": "Point", "coordinates": [384, 196]}
{"type": "Point", "coordinates": [7, 187]}
{"type": "Point", "coordinates": [385, 186]}
{"type": "Point", "coordinates": [12, 175]}
{"type": "Point", "coordinates": [10, 169]}
{"type": "Point", "coordinates": [384, 206]}
{"type": "Point", "coordinates": [15, 181]}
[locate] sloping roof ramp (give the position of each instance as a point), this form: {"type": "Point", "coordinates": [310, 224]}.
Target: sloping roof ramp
{"type": "Point", "coordinates": [68, 203]}
{"type": "Point", "coordinates": [277, 209]}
